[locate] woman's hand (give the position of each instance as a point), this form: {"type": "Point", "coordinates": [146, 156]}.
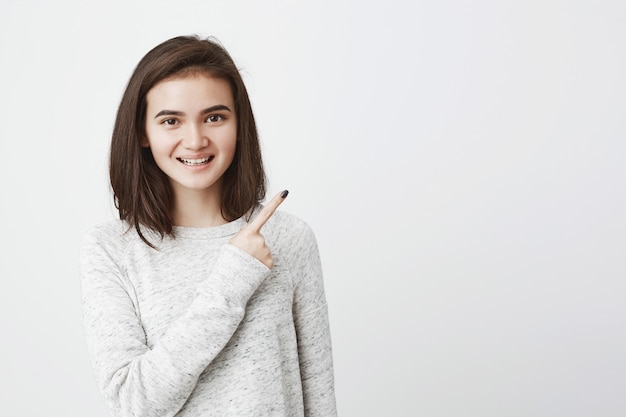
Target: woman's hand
{"type": "Point", "coordinates": [251, 240]}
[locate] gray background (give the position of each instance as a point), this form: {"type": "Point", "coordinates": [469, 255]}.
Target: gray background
{"type": "Point", "coordinates": [462, 164]}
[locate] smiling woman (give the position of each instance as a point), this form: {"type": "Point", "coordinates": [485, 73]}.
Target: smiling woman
{"type": "Point", "coordinates": [188, 309]}
{"type": "Point", "coordinates": [143, 192]}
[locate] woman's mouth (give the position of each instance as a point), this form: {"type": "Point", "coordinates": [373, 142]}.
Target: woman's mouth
{"type": "Point", "coordinates": [194, 162]}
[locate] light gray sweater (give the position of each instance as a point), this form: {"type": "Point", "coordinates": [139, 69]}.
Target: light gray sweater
{"type": "Point", "coordinates": [202, 328]}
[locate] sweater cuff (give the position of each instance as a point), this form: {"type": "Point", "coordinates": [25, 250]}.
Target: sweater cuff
{"type": "Point", "coordinates": [236, 275]}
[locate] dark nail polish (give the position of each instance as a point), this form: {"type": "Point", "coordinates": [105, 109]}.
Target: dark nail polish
{"type": "Point", "coordinates": [284, 194]}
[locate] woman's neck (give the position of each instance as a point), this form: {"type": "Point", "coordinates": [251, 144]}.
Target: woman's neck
{"type": "Point", "coordinates": [197, 208]}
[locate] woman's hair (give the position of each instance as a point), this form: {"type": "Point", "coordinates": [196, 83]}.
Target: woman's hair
{"type": "Point", "coordinates": [141, 191]}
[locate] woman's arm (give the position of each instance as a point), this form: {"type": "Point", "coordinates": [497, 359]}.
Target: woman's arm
{"type": "Point", "coordinates": [140, 381]}
{"type": "Point", "coordinates": [312, 329]}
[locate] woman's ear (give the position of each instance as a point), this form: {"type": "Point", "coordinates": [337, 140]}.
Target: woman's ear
{"type": "Point", "coordinates": [144, 142]}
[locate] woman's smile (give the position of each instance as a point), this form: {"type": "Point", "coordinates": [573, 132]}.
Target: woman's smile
{"type": "Point", "coordinates": [197, 161]}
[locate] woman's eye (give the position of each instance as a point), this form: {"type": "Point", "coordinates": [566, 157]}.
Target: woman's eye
{"type": "Point", "coordinates": [169, 122]}
{"type": "Point", "coordinates": [214, 118]}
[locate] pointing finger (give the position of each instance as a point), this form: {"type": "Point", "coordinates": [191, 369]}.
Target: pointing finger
{"type": "Point", "coordinates": [264, 215]}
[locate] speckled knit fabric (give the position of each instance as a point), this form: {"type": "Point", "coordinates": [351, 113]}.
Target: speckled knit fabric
{"type": "Point", "coordinates": [201, 328]}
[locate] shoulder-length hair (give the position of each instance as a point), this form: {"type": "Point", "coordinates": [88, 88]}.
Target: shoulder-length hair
{"type": "Point", "coordinates": [141, 191]}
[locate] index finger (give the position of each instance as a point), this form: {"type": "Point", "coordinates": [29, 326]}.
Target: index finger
{"type": "Point", "coordinates": [264, 215]}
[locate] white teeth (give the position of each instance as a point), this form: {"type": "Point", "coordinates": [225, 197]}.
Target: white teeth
{"type": "Point", "coordinates": [194, 161]}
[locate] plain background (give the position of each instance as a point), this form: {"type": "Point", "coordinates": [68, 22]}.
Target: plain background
{"type": "Point", "coordinates": [461, 162]}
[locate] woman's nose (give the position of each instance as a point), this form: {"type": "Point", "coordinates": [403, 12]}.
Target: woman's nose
{"type": "Point", "coordinates": [195, 137]}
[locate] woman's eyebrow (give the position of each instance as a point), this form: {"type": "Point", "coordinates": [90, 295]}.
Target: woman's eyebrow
{"type": "Point", "coordinates": [215, 108]}
{"type": "Point", "coordinates": [205, 111]}
{"type": "Point", "coordinates": [169, 113]}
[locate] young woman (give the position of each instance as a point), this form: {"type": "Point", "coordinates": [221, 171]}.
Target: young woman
{"type": "Point", "coordinates": [199, 301]}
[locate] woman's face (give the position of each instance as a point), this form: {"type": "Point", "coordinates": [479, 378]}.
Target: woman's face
{"type": "Point", "coordinates": [191, 129]}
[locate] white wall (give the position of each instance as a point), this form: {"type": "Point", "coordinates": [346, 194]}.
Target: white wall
{"type": "Point", "coordinates": [462, 163]}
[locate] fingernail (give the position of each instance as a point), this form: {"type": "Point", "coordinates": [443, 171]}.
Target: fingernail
{"type": "Point", "coordinates": [284, 194]}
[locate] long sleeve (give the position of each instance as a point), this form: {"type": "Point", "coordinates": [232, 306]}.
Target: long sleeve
{"type": "Point", "coordinates": [141, 380]}
{"type": "Point", "coordinates": [312, 329]}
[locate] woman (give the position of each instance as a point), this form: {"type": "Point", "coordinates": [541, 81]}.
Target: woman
{"type": "Point", "coordinates": [199, 301]}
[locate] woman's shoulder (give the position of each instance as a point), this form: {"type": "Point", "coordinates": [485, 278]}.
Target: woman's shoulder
{"type": "Point", "coordinates": [282, 222]}
{"type": "Point", "coordinates": [289, 231]}
{"type": "Point", "coordinates": [107, 228]}
{"type": "Point", "coordinates": [111, 235]}
{"type": "Point", "coordinates": [289, 221]}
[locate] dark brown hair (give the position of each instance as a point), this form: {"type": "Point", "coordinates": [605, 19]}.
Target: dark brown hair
{"type": "Point", "coordinates": [141, 191]}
